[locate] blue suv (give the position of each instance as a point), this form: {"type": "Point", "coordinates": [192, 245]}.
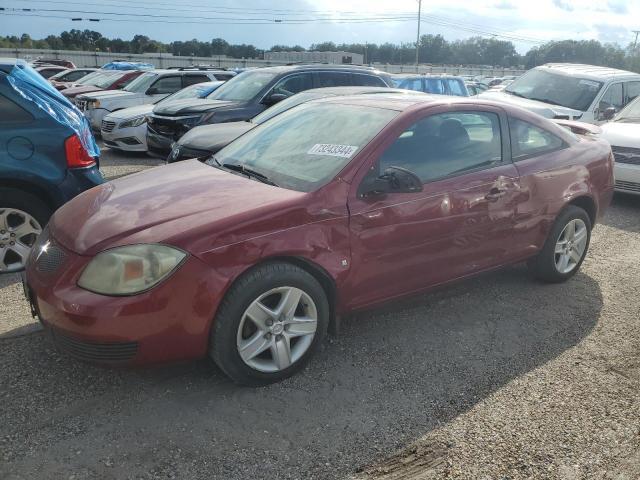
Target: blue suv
{"type": "Point", "coordinates": [47, 156]}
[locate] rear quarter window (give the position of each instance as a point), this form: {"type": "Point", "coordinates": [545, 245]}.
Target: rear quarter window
{"type": "Point", "coordinates": [528, 141]}
{"type": "Point", "coordinates": [11, 112]}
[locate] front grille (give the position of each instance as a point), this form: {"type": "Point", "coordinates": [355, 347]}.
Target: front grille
{"type": "Point", "coordinates": [626, 155]}
{"type": "Point", "coordinates": [629, 186]}
{"type": "Point", "coordinates": [108, 126]}
{"type": "Point", "coordinates": [49, 258]}
{"type": "Point", "coordinates": [81, 104]}
{"type": "Point", "coordinates": [116, 352]}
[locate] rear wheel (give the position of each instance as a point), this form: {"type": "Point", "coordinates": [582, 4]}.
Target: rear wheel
{"type": "Point", "coordinates": [269, 324]}
{"type": "Point", "coordinates": [22, 218]}
{"type": "Point", "coordinates": [565, 248]}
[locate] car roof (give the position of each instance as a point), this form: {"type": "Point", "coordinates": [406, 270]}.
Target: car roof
{"type": "Point", "coordinates": [320, 66]}
{"type": "Point", "coordinates": [357, 90]}
{"type": "Point", "coordinates": [592, 72]}
{"type": "Point", "coordinates": [426, 75]}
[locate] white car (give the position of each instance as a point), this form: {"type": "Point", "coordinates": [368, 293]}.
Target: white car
{"type": "Point", "coordinates": [570, 91]}
{"type": "Point", "coordinates": [623, 133]}
{"type": "Point", "coordinates": [150, 87]}
{"type": "Point", "coordinates": [126, 129]}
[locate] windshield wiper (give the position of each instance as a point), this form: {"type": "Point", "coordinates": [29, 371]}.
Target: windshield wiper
{"type": "Point", "coordinates": [261, 177]}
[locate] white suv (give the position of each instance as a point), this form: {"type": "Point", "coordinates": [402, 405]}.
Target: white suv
{"type": "Point", "coordinates": [150, 87]}
{"type": "Point", "coordinates": [571, 91]}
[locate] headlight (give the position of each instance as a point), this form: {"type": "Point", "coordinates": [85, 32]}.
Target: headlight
{"type": "Point", "coordinates": [130, 269]}
{"type": "Point", "coordinates": [134, 122]}
{"type": "Point", "coordinates": [207, 117]}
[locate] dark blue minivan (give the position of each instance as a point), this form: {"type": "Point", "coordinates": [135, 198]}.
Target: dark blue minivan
{"type": "Point", "coordinates": [47, 156]}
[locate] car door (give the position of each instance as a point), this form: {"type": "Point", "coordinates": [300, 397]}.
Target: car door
{"type": "Point", "coordinates": [460, 223]}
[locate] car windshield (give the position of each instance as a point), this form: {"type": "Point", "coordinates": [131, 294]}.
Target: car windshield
{"type": "Point", "coordinates": [199, 90]}
{"type": "Point", "coordinates": [630, 113]}
{"type": "Point", "coordinates": [286, 104]}
{"type": "Point", "coordinates": [555, 89]}
{"type": "Point", "coordinates": [89, 79]}
{"type": "Point", "coordinates": [243, 87]}
{"type": "Point", "coordinates": [142, 83]}
{"type": "Point", "coordinates": [305, 147]}
{"type": "Point", "coordinates": [107, 79]}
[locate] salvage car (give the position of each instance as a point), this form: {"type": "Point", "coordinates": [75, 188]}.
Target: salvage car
{"type": "Point", "coordinates": [126, 130]}
{"type": "Point", "coordinates": [624, 135]}
{"type": "Point", "coordinates": [335, 205]}
{"type": "Point", "coordinates": [99, 81]}
{"type": "Point", "coordinates": [66, 78]}
{"type": "Point", "coordinates": [151, 87]}
{"type": "Point", "coordinates": [571, 91]}
{"type": "Point", "coordinates": [251, 92]}
{"type": "Point", "coordinates": [47, 157]}
{"type": "Point", "coordinates": [205, 140]}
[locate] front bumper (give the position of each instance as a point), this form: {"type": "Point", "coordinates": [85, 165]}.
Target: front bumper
{"type": "Point", "coordinates": [95, 117]}
{"type": "Point", "coordinates": [132, 139]}
{"type": "Point", "coordinates": [170, 322]}
{"type": "Point", "coordinates": [627, 178]}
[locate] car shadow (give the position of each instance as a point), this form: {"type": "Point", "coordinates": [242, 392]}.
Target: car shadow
{"type": "Point", "coordinates": [391, 376]}
{"type": "Point", "coordinates": [7, 279]}
{"type": "Point", "coordinates": [624, 212]}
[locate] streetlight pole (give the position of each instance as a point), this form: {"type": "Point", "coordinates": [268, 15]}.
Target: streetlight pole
{"type": "Point", "coordinates": [418, 37]}
{"type": "Point", "coordinates": [635, 42]}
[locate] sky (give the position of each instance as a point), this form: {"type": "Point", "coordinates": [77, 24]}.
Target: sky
{"type": "Point", "coordinates": [526, 23]}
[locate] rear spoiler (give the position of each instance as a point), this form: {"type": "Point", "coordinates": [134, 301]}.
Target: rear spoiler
{"type": "Point", "coordinates": [580, 128]}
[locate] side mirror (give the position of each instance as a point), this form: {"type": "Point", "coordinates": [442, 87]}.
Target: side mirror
{"type": "Point", "coordinates": [393, 180]}
{"type": "Point", "coordinates": [609, 113]}
{"type": "Point", "coordinates": [152, 91]}
{"type": "Point", "coordinates": [274, 98]}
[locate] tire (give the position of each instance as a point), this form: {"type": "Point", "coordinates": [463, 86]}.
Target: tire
{"type": "Point", "coordinates": [13, 205]}
{"type": "Point", "coordinates": [235, 329]}
{"type": "Point", "coordinates": [547, 265]}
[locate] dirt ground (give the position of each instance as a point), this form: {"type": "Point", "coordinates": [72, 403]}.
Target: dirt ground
{"type": "Point", "coordinates": [498, 377]}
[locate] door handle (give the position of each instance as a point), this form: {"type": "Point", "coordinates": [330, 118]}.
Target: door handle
{"type": "Point", "coordinates": [494, 194]}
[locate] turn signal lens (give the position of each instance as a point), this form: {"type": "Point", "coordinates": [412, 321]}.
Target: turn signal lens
{"type": "Point", "coordinates": [77, 156]}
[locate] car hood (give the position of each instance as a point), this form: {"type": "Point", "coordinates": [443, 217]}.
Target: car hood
{"type": "Point", "coordinates": [131, 112]}
{"type": "Point", "coordinates": [622, 134]}
{"type": "Point", "coordinates": [213, 137]}
{"type": "Point", "coordinates": [73, 91]}
{"type": "Point", "coordinates": [110, 94]}
{"type": "Point", "coordinates": [189, 205]}
{"type": "Point", "coordinates": [545, 109]}
{"type": "Point", "coordinates": [189, 105]}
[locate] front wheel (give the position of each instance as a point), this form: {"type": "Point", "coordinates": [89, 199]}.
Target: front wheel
{"type": "Point", "coordinates": [565, 247]}
{"type": "Point", "coordinates": [269, 324]}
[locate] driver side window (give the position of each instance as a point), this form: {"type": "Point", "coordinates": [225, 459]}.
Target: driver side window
{"type": "Point", "coordinates": [293, 84]}
{"type": "Point", "coordinates": [447, 144]}
{"type": "Point", "coordinates": [611, 98]}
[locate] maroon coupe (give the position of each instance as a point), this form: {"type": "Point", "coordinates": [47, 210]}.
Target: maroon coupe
{"type": "Point", "coordinates": [332, 206]}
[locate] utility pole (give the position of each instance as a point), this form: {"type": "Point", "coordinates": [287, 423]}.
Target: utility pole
{"type": "Point", "coordinates": [635, 42]}
{"type": "Point", "coordinates": [418, 37]}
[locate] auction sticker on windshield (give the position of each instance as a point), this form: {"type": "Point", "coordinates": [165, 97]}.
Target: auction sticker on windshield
{"type": "Point", "coordinates": [344, 151]}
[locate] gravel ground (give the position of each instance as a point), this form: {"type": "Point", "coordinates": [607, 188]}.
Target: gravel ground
{"type": "Point", "coordinates": [498, 377]}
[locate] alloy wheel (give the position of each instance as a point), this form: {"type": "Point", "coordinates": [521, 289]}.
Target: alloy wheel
{"type": "Point", "coordinates": [18, 233]}
{"type": "Point", "coordinates": [277, 329]}
{"type": "Point", "coordinates": [571, 245]}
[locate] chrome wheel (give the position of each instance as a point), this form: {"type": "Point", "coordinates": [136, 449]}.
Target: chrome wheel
{"type": "Point", "coordinates": [571, 245]}
{"type": "Point", "coordinates": [277, 329]}
{"type": "Point", "coordinates": [18, 233]}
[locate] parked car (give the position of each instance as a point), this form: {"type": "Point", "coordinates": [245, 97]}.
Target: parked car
{"type": "Point", "coordinates": [150, 87]}
{"type": "Point", "coordinates": [205, 140]}
{"type": "Point", "coordinates": [335, 205]}
{"type": "Point", "coordinates": [101, 80]}
{"type": "Point", "coordinates": [126, 129]}
{"type": "Point", "coordinates": [63, 79]}
{"type": "Point", "coordinates": [44, 158]}
{"type": "Point", "coordinates": [437, 84]}
{"type": "Point", "coordinates": [248, 94]}
{"type": "Point", "coordinates": [624, 135]}
{"type": "Point", "coordinates": [475, 88]}
{"type": "Point", "coordinates": [48, 71]}
{"type": "Point", "coordinates": [571, 91]}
